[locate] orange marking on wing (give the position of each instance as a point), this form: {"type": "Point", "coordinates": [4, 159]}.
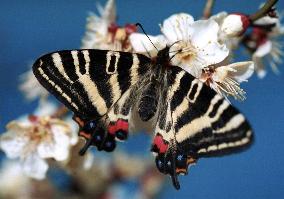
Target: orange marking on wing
{"type": "Point", "coordinates": [79, 121]}
{"type": "Point", "coordinates": [85, 135]}
{"type": "Point", "coordinates": [190, 160]}
{"type": "Point", "coordinates": [181, 170]}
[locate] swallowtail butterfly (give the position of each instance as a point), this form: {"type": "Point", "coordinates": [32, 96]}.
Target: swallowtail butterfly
{"type": "Point", "coordinates": [104, 87]}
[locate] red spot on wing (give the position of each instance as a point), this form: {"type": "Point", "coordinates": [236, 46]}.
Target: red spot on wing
{"type": "Point", "coordinates": [85, 135]}
{"type": "Point", "coordinates": [122, 125]}
{"type": "Point", "coordinates": [160, 144]}
{"type": "Point", "coordinates": [112, 128]}
{"type": "Point", "coordinates": [79, 121]}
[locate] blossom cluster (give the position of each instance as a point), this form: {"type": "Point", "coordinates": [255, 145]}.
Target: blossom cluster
{"type": "Point", "coordinates": [202, 47]}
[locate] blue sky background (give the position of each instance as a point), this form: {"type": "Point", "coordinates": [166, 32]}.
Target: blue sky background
{"type": "Point", "coordinates": [31, 28]}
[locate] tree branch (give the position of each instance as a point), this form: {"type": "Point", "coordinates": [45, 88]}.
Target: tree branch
{"type": "Point", "coordinates": [263, 11]}
{"type": "Point", "coordinates": [208, 9]}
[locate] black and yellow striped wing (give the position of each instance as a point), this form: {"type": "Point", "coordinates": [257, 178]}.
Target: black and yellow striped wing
{"type": "Point", "coordinates": [197, 122]}
{"type": "Point", "coordinates": [95, 85]}
{"type": "Point", "coordinates": [103, 87]}
{"type": "Point", "coordinates": [89, 82]}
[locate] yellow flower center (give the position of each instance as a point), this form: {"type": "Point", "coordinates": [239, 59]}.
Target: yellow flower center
{"type": "Point", "coordinates": [184, 52]}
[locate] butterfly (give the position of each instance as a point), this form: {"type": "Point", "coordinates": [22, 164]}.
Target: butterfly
{"type": "Point", "coordinates": [104, 88]}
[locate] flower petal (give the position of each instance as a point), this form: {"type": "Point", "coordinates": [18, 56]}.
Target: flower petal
{"type": "Point", "coordinates": [62, 145]}
{"type": "Point", "coordinates": [205, 40]}
{"type": "Point", "coordinates": [210, 54]}
{"type": "Point", "coordinates": [266, 20]}
{"type": "Point", "coordinates": [45, 109]}
{"type": "Point", "coordinates": [243, 70]}
{"type": "Point", "coordinates": [263, 49]}
{"type": "Point", "coordinates": [176, 27]}
{"type": "Point", "coordinates": [235, 24]}
{"type": "Point", "coordinates": [219, 17]}
{"type": "Point", "coordinates": [58, 147]}
{"type": "Point", "coordinates": [31, 87]}
{"type": "Point", "coordinates": [13, 144]}
{"type": "Point", "coordinates": [74, 130]}
{"type": "Point", "coordinates": [34, 166]}
{"type": "Point", "coordinates": [259, 66]}
{"type": "Point", "coordinates": [46, 149]}
{"type": "Point", "coordinates": [97, 26]}
{"type": "Point", "coordinates": [109, 12]}
{"type": "Point", "coordinates": [195, 68]}
{"type": "Point", "coordinates": [204, 32]}
{"type": "Point", "coordinates": [142, 44]}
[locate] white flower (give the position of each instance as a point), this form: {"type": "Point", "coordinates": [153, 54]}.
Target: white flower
{"type": "Point", "coordinates": [219, 17]}
{"type": "Point", "coordinates": [194, 44]}
{"type": "Point", "coordinates": [34, 140]}
{"type": "Point", "coordinates": [226, 79]}
{"type": "Point", "coordinates": [31, 87]}
{"type": "Point", "coordinates": [142, 44]}
{"type": "Point", "coordinates": [271, 23]}
{"type": "Point", "coordinates": [97, 27]}
{"type": "Point", "coordinates": [263, 43]}
{"type": "Point", "coordinates": [230, 42]}
{"type": "Point", "coordinates": [270, 50]}
{"type": "Point", "coordinates": [103, 33]}
{"type": "Point", "coordinates": [235, 24]}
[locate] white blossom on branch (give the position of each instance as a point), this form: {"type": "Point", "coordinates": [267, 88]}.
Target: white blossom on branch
{"type": "Point", "coordinates": [194, 44]}
{"type": "Point", "coordinates": [34, 139]}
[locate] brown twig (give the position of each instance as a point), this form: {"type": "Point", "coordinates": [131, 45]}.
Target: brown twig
{"type": "Point", "coordinates": [208, 9]}
{"type": "Point", "coordinates": [263, 11]}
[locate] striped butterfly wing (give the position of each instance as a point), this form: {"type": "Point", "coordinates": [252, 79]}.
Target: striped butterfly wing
{"type": "Point", "coordinates": [89, 82]}
{"type": "Point", "coordinates": [198, 122]}
{"type": "Point", "coordinates": [94, 84]}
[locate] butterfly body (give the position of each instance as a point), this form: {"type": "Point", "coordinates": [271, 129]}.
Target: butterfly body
{"type": "Point", "coordinates": [104, 88]}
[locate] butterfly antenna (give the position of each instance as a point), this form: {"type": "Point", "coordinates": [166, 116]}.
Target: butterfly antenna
{"type": "Point", "coordinates": [177, 51]}
{"type": "Point", "coordinates": [139, 25]}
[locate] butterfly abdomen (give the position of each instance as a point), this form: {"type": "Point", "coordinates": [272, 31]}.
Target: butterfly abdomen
{"type": "Point", "coordinates": [148, 102]}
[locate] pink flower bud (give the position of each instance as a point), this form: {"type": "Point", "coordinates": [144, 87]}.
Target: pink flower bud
{"type": "Point", "coordinates": [235, 24]}
{"type": "Point", "coordinates": [130, 28]}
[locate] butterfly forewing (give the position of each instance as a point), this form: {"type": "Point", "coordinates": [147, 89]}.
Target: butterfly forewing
{"type": "Point", "coordinates": [89, 82]}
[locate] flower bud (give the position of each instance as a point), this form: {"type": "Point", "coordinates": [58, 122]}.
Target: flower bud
{"type": "Point", "coordinates": [235, 24]}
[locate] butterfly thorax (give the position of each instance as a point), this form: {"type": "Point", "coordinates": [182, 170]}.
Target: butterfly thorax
{"type": "Point", "coordinates": [154, 86]}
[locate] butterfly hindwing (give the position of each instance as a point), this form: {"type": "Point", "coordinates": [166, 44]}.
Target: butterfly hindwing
{"type": "Point", "coordinates": [209, 125]}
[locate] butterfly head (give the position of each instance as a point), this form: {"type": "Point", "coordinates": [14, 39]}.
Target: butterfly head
{"type": "Point", "coordinates": [163, 56]}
